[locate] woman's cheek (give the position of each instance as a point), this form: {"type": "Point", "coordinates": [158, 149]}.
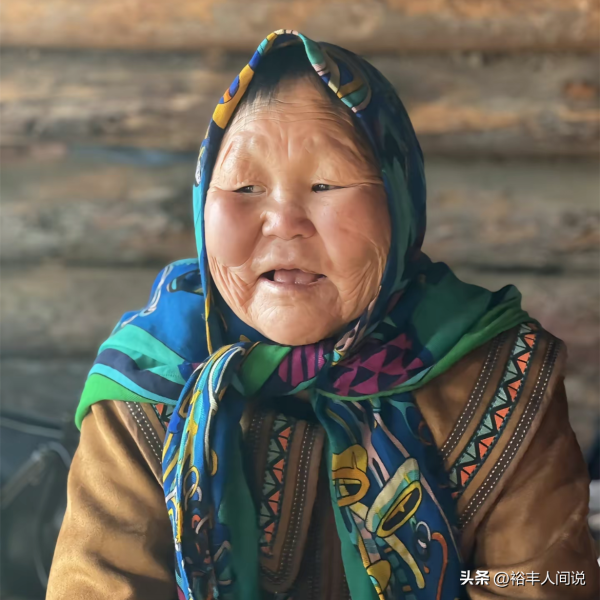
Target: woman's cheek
{"type": "Point", "coordinates": [231, 227]}
{"type": "Point", "coordinates": [355, 229]}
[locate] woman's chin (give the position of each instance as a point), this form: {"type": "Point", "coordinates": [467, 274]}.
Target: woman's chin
{"type": "Point", "coordinates": [297, 329]}
{"type": "Point", "coordinates": [296, 318]}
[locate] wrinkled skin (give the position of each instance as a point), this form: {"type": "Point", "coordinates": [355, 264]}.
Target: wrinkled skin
{"type": "Point", "coordinates": [296, 220]}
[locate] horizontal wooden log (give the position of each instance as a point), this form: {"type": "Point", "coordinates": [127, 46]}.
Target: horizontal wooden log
{"type": "Point", "coordinates": [459, 105]}
{"type": "Point", "coordinates": [52, 311]}
{"type": "Point", "coordinates": [514, 215]}
{"type": "Point", "coordinates": [98, 209]}
{"type": "Point", "coordinates": [361, 25]}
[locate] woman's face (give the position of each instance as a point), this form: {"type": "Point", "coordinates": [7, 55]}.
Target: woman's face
{"type": "Point", "coordinates": [296, 221]}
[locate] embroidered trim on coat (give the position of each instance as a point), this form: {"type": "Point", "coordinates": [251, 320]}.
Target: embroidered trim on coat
{"type": "Point", "coordinates": [475, 397]}
{"type": "Point", "coordinates": [163, 412]}
{"type": "Point", "coordinates": [518, 436]}
{"type": "Point", "coordinates": [498, 412]}
{"type": "Point", "coordinates": [271, 494]}
{"type": "Point", "coordinates": [137, 412]}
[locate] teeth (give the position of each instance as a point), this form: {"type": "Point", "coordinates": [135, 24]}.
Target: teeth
{"type": "Point", "coordinates": [294, 276]}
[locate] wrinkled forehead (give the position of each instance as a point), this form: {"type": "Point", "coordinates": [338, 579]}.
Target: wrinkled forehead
{"type": "Point", "coordinates": [301, 112]}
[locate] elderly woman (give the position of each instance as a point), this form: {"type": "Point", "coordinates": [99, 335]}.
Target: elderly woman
{"type": "Point", "coordinates": [313, 409]}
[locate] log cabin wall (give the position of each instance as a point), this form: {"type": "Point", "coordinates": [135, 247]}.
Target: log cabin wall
{"type": "Point", "coordinates": [104, 104]}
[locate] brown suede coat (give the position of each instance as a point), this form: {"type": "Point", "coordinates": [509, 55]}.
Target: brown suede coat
{"type": "Point", "coordinates": [525, 510]}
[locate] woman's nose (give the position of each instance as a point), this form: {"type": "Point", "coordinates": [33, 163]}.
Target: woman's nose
{"type": "Point", "coordinates": [287, 218]}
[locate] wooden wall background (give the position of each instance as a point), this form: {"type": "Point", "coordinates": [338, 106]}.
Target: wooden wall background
{"type": "Point", "coordinates": [104, 104]}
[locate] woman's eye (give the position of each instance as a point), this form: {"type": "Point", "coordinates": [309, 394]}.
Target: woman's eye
{"type": "Point", "coordinates": [248, 189]}
{"type": "Point", "coordinates": [323, 187]}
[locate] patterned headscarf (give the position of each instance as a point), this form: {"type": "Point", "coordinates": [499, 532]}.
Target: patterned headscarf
{"type": "Point", "coordinates": [390, 495]}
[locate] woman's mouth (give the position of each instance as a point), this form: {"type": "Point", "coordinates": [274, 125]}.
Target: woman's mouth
{"type": "Point", "coordinates": [292, 277]}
